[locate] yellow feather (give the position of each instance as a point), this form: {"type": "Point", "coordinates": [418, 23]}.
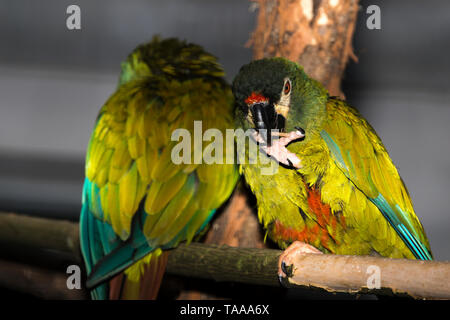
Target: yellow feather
{"type": "Point", "coordinates": [102, 177]}
{"type": "Point", "coordinates": [180, 222]}
{"type": "Point", "coordinates": [151, 196]}
{"type": "Point", "coordinates": [206, 172]}
{"type": "Point", "coordinates": [190, 168]}
{"type": "Point", "coordinates": [172, 211]}
{"type": "Point", "coordinates": [135, 108]}
{"type": "Point", "coordinates": [136, 146]}
{"type": "Point", "coordinates": [112, 139]}
{"type": "Point", "coordinates": [196, 223]}
{"type": "Point", "coordinates": [128, 192]}
{"type": "Point", "coordinates": [164, 168]}
{"type": "Point", "coordinates": [206, 194]}
{"type": "Point", "coordinates": [149, 224]}
{"type": "Point", "coordinates": [97, 149]}
{"type": "Point", "coordinates": [120, 162]}
{"type": "Point", "coordinates": [145, 163]}
{"type": "Point", "coordinates": [101, 131]}
{"type": "Point", "coordinates": [146, 124]}
{"type": "Point", "coordinates": [162, 135]}
{"type": "Point", "coordinates": [131, 125]}
{"type": "Point", "coordinates": [167, 191]}
{"type": "Point", "coordinates": [114, 212]}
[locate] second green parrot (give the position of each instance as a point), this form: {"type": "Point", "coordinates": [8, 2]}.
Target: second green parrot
{"type": "Point", "coordinates": [336, 189]}
{"type": "Point", "coordinates": [138, 201]}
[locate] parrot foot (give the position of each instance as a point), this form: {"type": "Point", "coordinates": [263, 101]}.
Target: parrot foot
{"type": "Point", "coordinates": [278, 149]}
{"type": "Point", "coordinates": [285, 262]}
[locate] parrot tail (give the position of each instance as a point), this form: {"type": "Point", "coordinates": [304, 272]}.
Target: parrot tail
{"type": "Point", "coordinates": [142, 280]}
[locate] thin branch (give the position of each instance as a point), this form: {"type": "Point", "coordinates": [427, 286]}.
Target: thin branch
{"type": "Point", "coordinates": [333, 273]}
{"type": "Point", "coordinates": [36, 232]}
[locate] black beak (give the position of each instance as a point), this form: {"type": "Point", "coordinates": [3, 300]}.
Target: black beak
{"type": "Point", "coordinates": [265, 118]}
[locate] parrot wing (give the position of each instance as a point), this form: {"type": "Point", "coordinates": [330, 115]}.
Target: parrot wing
{"type": "Point", "coordinates": [135, 198]}
{"type": "Point", "coordinates": [359, 153]}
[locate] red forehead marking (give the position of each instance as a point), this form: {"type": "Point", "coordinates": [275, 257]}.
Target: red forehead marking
{"type": "Point", "coordinates": [255, 98]}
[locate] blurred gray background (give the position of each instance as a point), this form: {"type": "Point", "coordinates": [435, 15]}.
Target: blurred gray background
{"type": "Point", "coordinates": [53, 82]}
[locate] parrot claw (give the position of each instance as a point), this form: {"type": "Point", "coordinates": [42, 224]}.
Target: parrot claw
{"type": "Point", "coordinates": [291, 165]}
{"type": "Point", "coordinates": [284, 268]}
{"type": "Point", "coordinates": [278, 150]}
{"type": "Point", "coordinates": [300, 130]}
{"type": "Point", "coordinates": [283, 281]}
{"type": "Point", "coordinates": [285, 262]}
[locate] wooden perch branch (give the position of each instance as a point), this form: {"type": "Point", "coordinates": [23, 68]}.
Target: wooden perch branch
{"type": "Point", "coordinates": [351, 274]}
{"type": "Point", "coordinates": [224, 263]}
{"type": "Point", "coordinates": [38, 282]}
{"type": "Point", "coordinates": [333, 273]}
{"type": "Point", "coordinates": [35, 232]}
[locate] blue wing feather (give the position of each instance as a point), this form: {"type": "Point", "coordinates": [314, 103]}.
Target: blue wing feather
{"type": "Point", "coordinates": [104, 253]}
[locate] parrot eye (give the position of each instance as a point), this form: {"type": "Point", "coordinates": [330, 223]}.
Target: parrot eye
{"type": "Point", "coordinates": [287, 86]}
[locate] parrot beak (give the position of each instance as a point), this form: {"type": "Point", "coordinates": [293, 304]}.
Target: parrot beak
{"type": "Point", "coordinates": [264, 118]}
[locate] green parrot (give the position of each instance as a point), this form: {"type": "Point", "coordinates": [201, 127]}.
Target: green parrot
{"type": "Point", "coordinates": [137, 202]}
{"type": "Point", "coordinates": [336, 189]}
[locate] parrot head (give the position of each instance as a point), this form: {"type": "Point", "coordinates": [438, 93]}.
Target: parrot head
{"type": "Point", "coordinates": [276, 93]}
{"type": "Point", "coordinates": [170, 59]}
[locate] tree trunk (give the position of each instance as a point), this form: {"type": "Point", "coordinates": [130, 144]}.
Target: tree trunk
{"type": "Point", "coordinates": [315, 33]}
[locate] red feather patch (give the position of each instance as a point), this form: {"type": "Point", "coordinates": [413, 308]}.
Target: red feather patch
{"type": "Point", "coordinates": [322, 210]}
{"type": "Point", "coordinates": [319, 230]}
{"type": "Point", "coordinates": [255, 98]}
